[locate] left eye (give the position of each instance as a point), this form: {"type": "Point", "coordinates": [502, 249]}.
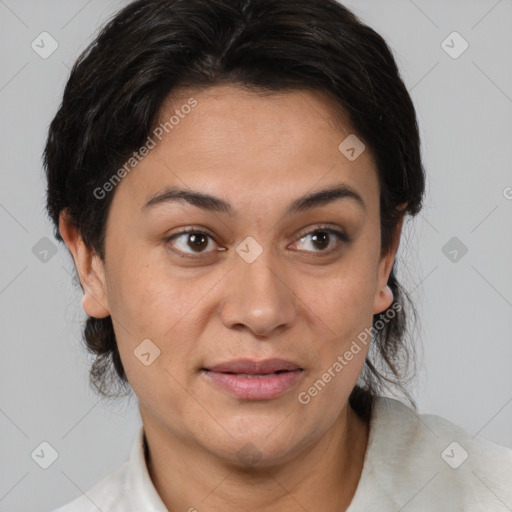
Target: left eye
{"type": "Point", "coordinates": [323, 240]}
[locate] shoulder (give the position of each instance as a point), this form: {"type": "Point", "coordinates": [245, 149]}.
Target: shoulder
{"type": "Point", "coordinates": [428, 462]}
{"type": "Point", "coordinates": [480, 467]}
{"type": "Point", "coordinates": [107, 494]}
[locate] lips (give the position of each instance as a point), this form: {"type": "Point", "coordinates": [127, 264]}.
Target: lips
{"type": "Point", "coordinates": [253, 380]}
{"type": "Point", "coordinates": [249, 367]}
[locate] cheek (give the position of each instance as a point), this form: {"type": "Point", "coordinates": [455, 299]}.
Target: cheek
{"type": "Point", "coordinates": [346, 308]}
{"type": "Point", "coordinates": [341, 305]}
{"type": "Point", "coordinates": [327, 390]}
{"type": "Point", "coordinates": [344, 300]}
{"type": "Point", "coordinates": [150, 302]}
{"type": "Point", "coordinates": [146, 295]}
{"type": "Point", "coordinates": [153, 312]}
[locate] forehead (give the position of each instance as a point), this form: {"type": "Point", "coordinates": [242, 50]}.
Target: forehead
{"type": "Point", "coordinates": [242, 144]}
{"type": "Point", "coordinates": [248, 114]}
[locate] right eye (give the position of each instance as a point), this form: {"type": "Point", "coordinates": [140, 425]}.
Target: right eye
{"type": "Point", "coordinates": [191, 242]}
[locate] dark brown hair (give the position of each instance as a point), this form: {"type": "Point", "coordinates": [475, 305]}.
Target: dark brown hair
{"type": "Point", "coordinates": [152, 47]}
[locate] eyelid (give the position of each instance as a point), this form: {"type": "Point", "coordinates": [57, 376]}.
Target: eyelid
{"type": "Point", "coordinates": [323, 227]}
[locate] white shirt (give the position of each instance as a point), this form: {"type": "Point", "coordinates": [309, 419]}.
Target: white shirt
{"type": "Point", "coordinates": [413, 463]}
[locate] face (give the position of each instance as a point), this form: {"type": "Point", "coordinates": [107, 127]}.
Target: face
{"type": "Point", "coordinates": [255, 272]}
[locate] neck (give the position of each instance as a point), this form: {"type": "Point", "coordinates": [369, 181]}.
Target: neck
{"type": "Point", "coordinates": [322, 477]}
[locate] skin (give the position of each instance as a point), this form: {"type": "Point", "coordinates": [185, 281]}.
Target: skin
{"type": "Point", "coordinates": [259, 153]}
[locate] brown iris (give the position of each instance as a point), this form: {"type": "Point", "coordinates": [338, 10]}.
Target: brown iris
{"type": "Point", "coordinates": [197, 241]}
{"type": "Point", "coordinates": [321, 239]}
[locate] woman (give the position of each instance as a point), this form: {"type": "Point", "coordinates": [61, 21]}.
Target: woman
{"type": "Point", "coordinates": [231, 178]}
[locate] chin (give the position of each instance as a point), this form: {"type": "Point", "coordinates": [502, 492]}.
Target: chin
{"type": "Point", "coordinates": [261, 445]}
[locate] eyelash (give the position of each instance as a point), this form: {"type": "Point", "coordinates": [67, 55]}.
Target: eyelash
{"type": "Point", "coordinates": [342, 238]}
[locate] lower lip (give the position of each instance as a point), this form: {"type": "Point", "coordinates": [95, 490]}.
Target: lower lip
{"type": "Point", "coordinates": [256, 388]}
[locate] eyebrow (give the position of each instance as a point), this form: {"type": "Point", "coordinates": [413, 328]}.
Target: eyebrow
{"type": "Point", "coordinates": [215, 204]}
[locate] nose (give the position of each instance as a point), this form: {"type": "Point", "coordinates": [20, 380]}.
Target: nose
{"type": "Point", "coordinates": [258, 297]}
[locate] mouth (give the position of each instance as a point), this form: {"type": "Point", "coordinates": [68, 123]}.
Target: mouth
{"type": "Point", "coordinates": [251, 367]}
{"type": "Point", "coordinates": [252, 380]}
{"type": "Point", "coordinates": [254, 375]}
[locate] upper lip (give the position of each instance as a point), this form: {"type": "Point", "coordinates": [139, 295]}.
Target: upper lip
{"type": "Point", "coordinates": [251, 367]}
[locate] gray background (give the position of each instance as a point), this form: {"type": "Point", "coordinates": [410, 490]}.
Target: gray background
{"type": "Point", "coordinates": [465, 110]}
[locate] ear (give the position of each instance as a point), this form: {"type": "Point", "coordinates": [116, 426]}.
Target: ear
{"type": "Point", "coordinates": [383, 295]}
{"type": "Point", "coordinates": [89, 267]}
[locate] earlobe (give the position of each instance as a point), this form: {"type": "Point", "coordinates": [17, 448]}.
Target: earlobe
{"type": "Point", "coordinates": [94, 300]}
{"type": "Point", "coordinates": [92, 307]}
{"type": "Point", "coordinates": [383, 300]}
{"type": "Point", "coordinates": [89, 268]}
